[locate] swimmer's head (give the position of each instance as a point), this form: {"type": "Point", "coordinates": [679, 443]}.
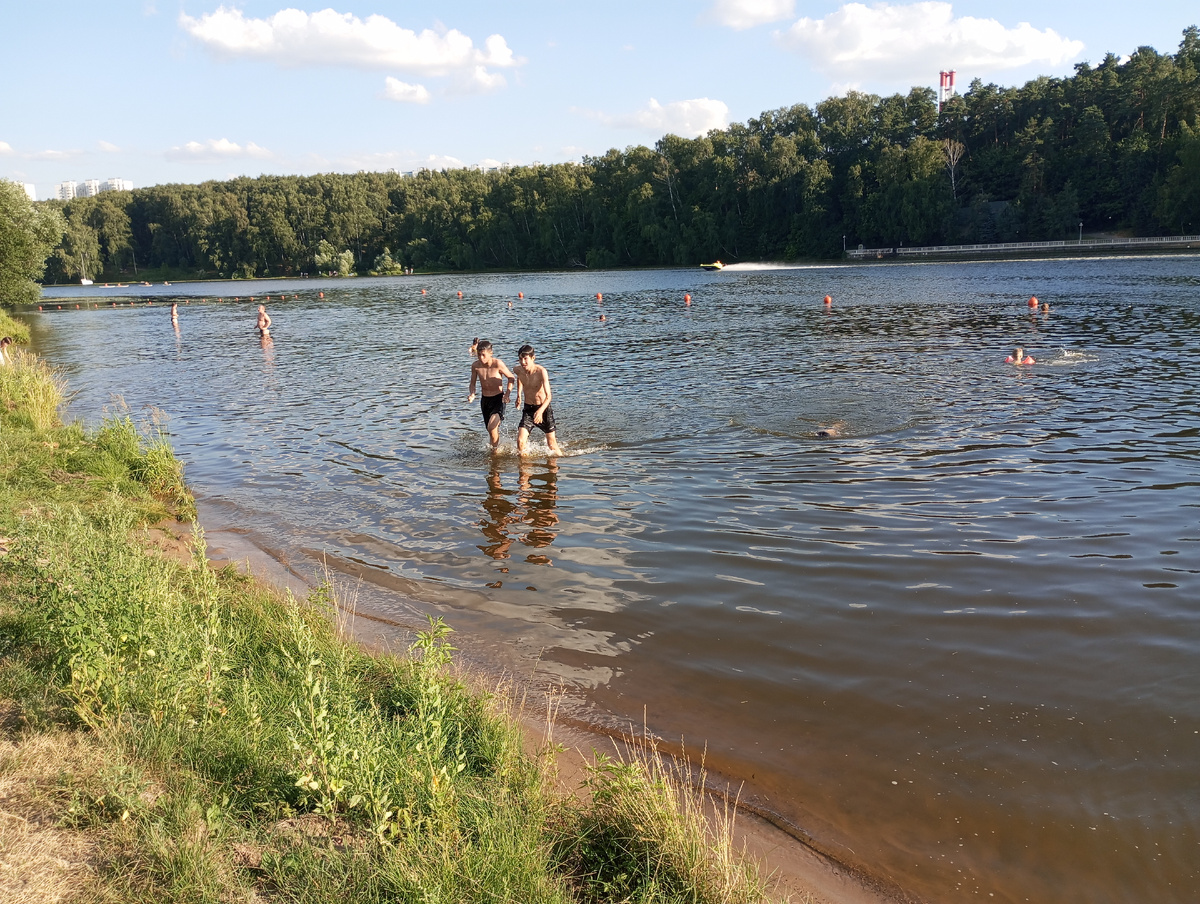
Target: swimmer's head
{"type": "Point", "coordinates": [526, 351]}
{"type": "Point", "coordinates": [1018, 353]}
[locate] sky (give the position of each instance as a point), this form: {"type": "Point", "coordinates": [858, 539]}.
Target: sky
{"type": "Point", "coordinates": [162, 91]}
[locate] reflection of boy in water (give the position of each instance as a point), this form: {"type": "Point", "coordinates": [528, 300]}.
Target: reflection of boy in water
{"type": "Point", "coordinates": [534, 384]}
{"type": "Point", "coordinates": [491, 372]}
{"type": "Point", "coordinates": [529, 509]}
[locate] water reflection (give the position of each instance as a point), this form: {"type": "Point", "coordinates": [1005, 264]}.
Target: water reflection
{"type": "Point", "coordinates": [526, 514]}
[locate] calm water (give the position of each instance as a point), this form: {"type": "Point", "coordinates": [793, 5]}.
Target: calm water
{"type": "Point", "coordinates": [957, 646]}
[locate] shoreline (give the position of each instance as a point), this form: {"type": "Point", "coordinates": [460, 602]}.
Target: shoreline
{"type": "Point", "coordinates": [796, 864]}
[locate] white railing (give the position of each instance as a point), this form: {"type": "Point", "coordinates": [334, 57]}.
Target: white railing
{"type": "Point", "coordinates": [994, 247]}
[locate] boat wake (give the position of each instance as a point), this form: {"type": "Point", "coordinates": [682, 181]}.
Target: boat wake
{"type": "Point", "coordinates": [748, 267]}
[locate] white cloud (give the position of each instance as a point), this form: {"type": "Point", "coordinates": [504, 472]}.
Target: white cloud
{"type": "Point", "coordinates": [680, 117]}
{"type": "Point", "coordinates": [107, 147]}
{"type": "Point", "coordinates": [53, 155]}
{"type": "Point", "coordinates": [5, 147]}
{"type": "Point", "coordinates": [480, 81]}
{"type": "Point", "coordinates": [394, 89]}
{"type": "Point", "coordinates": [380, 161]}
{"type": "Point", "coordinates": [906, 42]}
{"type": "Point", "coordinates": [294, 38]}
{"type": "Point", "coordinates": [741, 14]}
{"type": "Point", "coordinates": [215, 149]}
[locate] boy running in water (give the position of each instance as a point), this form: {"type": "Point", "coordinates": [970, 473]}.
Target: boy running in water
{"type": "Point", "coordinates": [490, 372]}
{"type": "Point", "coordinates": [534, 384]}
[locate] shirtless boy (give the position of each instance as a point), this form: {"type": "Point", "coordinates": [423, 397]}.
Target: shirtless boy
{"type": "Point", "coordinates": [264, 322]}
{"type": "Point", "coordinates": [534, 384]}
{"type": "Point", "coordinates": [490, 371]}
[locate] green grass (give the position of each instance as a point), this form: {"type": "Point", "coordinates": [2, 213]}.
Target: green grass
{"type": "Point", "coordinates": [225, 742]}
{"type": "Point", "coordinates": [17, 329]}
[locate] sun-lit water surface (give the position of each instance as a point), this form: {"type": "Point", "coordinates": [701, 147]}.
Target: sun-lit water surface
{"type": "Point", "coordinates": [955, 645]}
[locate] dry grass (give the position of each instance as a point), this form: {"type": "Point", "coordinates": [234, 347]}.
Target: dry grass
{"type": "Point", "coordinates": [40, 860]}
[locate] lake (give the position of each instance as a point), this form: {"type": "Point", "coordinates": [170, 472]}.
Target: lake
{"type": "Point", "coordinates": [956, 646]}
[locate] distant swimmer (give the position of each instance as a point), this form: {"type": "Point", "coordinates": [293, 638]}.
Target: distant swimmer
{"type": "Point", "coordinates": [834, 429]}
{"type": "Point", "coordinates": [491, 373]}
{"type": "Point", "coordinates": [474, 346]}
{"type": "Point", "coordinates": [533, 383]}
{"type": "Point", "coordinates": [264, 322]}
{"type": "Point", "coordinates": [1019, 357]}
{"type": "Point", "coordinates": [1045, 307]}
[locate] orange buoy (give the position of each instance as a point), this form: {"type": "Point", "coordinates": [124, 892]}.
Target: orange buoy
{"type": "Point", "coordinates": [39, 307]}
{"type": "Point", "coordinates": [321, 294]}
{"type": "Point", "coordinates": [599, 297]}
{"type": "Point", "coordinates": [1033, 302]}
{"type": "Point", "coordinates": [77, 307]}
{"type": "Point", "coordinates": [520, 295]}
{"type": "Point", "coordinates": [460, 294]}
{"type": "Point", "coordinates": [60, 307]}
{"type": "Point", "coordinates": [687, 299]}
{"type": "Point", "coordinates": [422, 291]}
{"type": "Point", "coordinates": [828, 300]}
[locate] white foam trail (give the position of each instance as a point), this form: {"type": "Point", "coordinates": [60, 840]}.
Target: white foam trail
{"type": "Point", "coordinates": [774, 266]}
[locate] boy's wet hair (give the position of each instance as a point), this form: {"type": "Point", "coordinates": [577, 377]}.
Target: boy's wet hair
{"type": "Point", "coordinates": [483, 345]}
{"type": "Point", "coordinates": [525, 350]}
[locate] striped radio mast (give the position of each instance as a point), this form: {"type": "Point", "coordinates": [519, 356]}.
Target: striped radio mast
{"type": "Point", "coordinates": [945, 88]}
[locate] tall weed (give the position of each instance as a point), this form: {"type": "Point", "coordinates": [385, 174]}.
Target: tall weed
{"type": "Point", "coordinates": [31, 391]}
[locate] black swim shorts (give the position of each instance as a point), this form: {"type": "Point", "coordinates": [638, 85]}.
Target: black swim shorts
{"type": "Point", "coordinates": [491, 404]}
{"type": "Point", "coordinates": [547, 423]}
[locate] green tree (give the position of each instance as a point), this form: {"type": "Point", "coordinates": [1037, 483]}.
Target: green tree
{"type": "Point", "coordinates": [1179, 198]}
{"type": "Point", "coordinates": [28, 234]}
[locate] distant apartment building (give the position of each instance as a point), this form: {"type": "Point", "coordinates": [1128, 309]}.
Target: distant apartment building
{"type": "Point", "coordinates": [88, 188]}
{"type": "Point", "coordinates": [30, 190]}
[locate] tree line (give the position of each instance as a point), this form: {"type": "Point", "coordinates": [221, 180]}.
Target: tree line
{"type": "Point", "coordinates": [1114, 147]}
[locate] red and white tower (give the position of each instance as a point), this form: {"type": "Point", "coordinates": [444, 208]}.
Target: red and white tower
{"type": "Point", "coordinates": [945, 88]}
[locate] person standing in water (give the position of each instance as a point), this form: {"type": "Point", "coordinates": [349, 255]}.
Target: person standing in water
{"type": "Point", "coordinates": [491, 373]}
{"type": "Point", "coordinates": [1019, 357]}
{"type": "Point", "coordinates": [264, 322]}
{"type": "Point", "coordinates": [533, 383]}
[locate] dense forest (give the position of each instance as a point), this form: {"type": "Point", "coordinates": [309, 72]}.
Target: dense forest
{"type": "Point", "coordinates": [1113, 147]}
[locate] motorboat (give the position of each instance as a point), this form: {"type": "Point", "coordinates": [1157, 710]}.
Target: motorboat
{"type": "Point", "coordinates": [715, 265]}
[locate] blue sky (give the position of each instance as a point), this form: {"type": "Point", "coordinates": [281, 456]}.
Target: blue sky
{"type": "Point", "coordinates": [160, 91]}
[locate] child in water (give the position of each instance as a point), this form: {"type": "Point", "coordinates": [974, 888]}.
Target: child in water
{"type": "Point", "coordinates": [491, 372]}
{"type": "Point", "coordinates": [1019, 357]}
{"type": "Point", "coordinates": [533, 382]}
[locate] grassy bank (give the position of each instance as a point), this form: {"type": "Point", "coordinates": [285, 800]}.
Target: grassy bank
{"type": "Point", "coordinates": [173, 733]}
